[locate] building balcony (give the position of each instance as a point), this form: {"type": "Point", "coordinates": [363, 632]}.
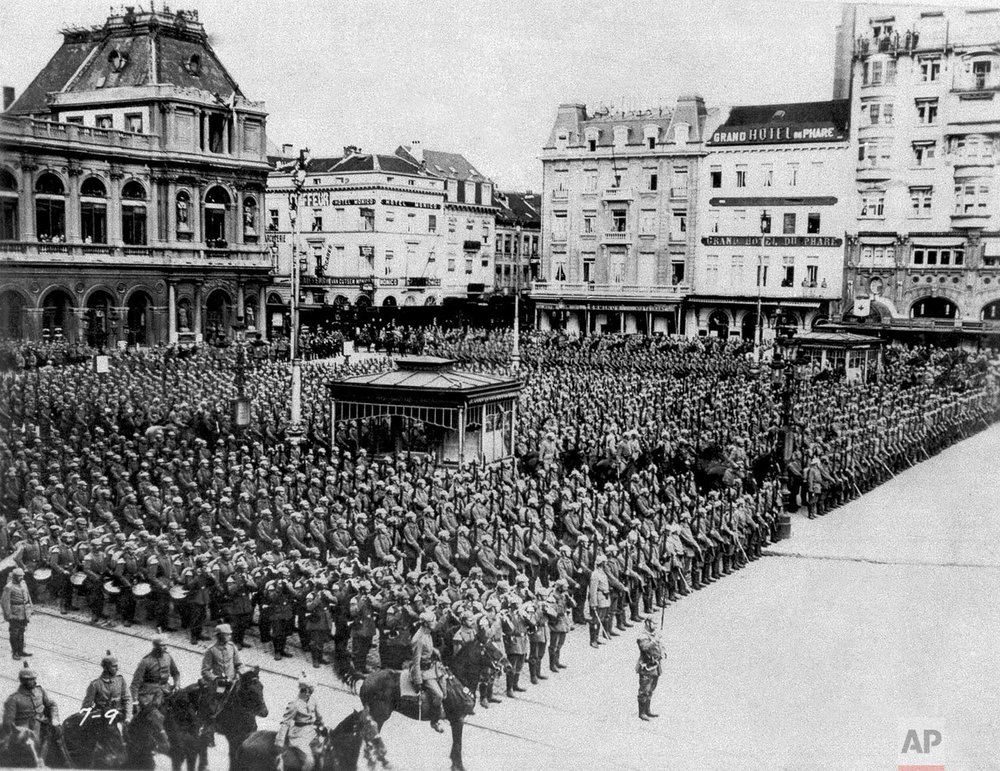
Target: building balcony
{"type": "Point", "coordinates": [616, 237]}
{"type": "Point", "coordinates": [618, 194]}
{"type": "Point", "coordinates": [679, 193]}
{"type": "Point", "coordinates": [154, 255]}
{"type": "Point", "coordinates": [972, 219]}
{"type": "Point", "coordinates": [560, 195]}
{"type": "Point", "coordinates": [972, 162]}
{"type": "Point", "coordinates": [74, 133]}
{"type": "Point", "coordinates": [678, 237]}
{"type": "Point", "coordinates": [544, 290]}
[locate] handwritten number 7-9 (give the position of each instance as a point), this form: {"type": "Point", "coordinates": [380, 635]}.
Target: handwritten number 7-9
{"type": "Point", "coordinates": [88, 714]}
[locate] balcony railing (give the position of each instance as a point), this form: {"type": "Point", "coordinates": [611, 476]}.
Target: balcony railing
{"type": "Point", "coordinates": [679, 193]}
{"type": "Point", "coordinates": [158, 255]}
{"type": "Point", "coordinates": [550, 289]}
{"type": "Point", "coordinates": [617, 236]}
{"type": "Point", "coordinates": [560, 195]}
{"type": "Point", "coordinates": [72, 132]}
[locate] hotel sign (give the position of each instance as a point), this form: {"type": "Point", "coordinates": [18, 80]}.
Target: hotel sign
{"type": "Point", "coordinates": [411, 204]}
{"type": "Point", "coordinates": [322, 198]}
{"type": "Point", "coordinates": [776, 135]}
{"type": "Point", "coordinates": [810, 242]}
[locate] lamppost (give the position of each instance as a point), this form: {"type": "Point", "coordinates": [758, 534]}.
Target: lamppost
{"type": "Point", "coordinates": [515, 353]}
{"type": "Point", "coordinates": [765, 227]}
{"type": "Point", "coordinates": [296, 431]}
{"type": "Point", "coordinates": [785, 368]}
{"type": "Point", "coordinates": [241, 404]}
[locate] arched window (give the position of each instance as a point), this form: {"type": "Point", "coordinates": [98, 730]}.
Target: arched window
{"type": "Point", "coordinates": [50, 208]}
{"type": "Point", "coordinates": [933, 308]}
{"type": "Point", "coordinates": [991, 312]}
{"type": "Point", "coordinates": [718, 324]}
{"type": "Point", "coordinates": [8, 206]}
{"type": "Point", "coordinates": [216, 210]}
{"type": "Point", "coordinates": [93, 212]}
{"type": "Point", "coordinates": [250, 220]}
{"type": "Point", "coordinates": [183, 204]}
{"type": "Point", "coordinates": [134, 214]}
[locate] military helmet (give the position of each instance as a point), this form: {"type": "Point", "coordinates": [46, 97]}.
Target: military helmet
{"type": "Point", "coordinates": [26, 673]}
{"type": "Point", "coordinates": [109, 660]}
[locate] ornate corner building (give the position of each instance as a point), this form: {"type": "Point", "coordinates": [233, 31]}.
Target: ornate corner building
{"type": "Point", "coordinates": [619, 217]}
{"type": "Point", "coordinates": [132, 181]}
{"type": "Point", "coordinates": [923, 244]}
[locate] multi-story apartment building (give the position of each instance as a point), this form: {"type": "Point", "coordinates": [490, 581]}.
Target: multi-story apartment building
{"type": "Point", "coordinates": [381, 231]}
{"type": "Point", "coordinates": [774, 198]}
{"type": "Point", "coordinates": [132, 174]}
{"type": "Point", "coordinates": [924, 241]}
{"type": "Point", "coordinates": [518, 235]}
{"type": "Point", "coordinates": [619, 217]}
{"type": "Point", "coordinates": [469, 221]}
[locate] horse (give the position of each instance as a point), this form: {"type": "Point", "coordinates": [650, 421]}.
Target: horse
{"type": "Point", "coordinates": [25, 748]}
{"type": "Point", "coordinates": [235, 719]}
{"type": "Point", "coordinates": [380, 691]}
{"type": "Point", "coordinates": [336, 749]}
{"type": "Point", "coordinates": [86, 741]}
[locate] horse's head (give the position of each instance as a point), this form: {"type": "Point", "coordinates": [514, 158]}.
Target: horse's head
{"type": "Point", "coordinates": [148, 730]}
{"type": "Point", "coordinates": [251, 693]}
{"type": "Point", "coordinates": [495, 657]}
{"type": "Point", "coordinates": [342, 744]}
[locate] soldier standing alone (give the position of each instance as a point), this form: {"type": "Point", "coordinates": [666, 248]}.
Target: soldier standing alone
{"type": "Point", "coordinates": [648, 666]}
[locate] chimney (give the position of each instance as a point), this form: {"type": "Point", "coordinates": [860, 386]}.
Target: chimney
{"type": "Point", "coordinates": [286, 151]}
{"type": "Point", "coordinates": [416, 150]}
{"type": "Point", "coordinates": [8, 97]}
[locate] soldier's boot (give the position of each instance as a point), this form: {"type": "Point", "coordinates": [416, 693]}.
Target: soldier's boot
{"type": "Point", "coordinates": [489, 695]}
{"type": "Point", "coordinates": [642, 710]}
{"type": "Point", "coordinates": [649, 713]}
{"type": "Point", "coordinates": [559, 661]}
{"type": "Point", "coordinates": [517, 683]}
{"type": "Point", "coordinates": [532, 673]}
{"type": "Point", "coordinates": [553, 661]}
{"type": "Point", "coordinates": [484, 700]}
{"type": "Point", "coordinates": [538, 668]}
{"type": "Point", "coordinates": [510, 685]}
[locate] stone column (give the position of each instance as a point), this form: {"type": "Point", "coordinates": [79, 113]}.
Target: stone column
{"type": "Point", "coordinates": [262, 311]}
{"type": "Point", "coordinates": [33, 328]}
{"type": "Point", "coordinates": [171, 312]}
{"type": "Point", "coordinates": [76, 327]}
{"type": "Point", "coordinates": [198, 331]}
{"type": "Point", "coordinates": [74, 228]}
{"type": "Point", "coordinates": [171, 234]}
{"type": "Point", "coordinates": [240, 301]}
{"type": "Point", "coordinates": [153, 218]}
{"type": "Point", "coordinates": [115, 206]}
{"type": "Point", "coordinates": [26, 201]}
{"type": "Point", "coordinates": [121, 325]}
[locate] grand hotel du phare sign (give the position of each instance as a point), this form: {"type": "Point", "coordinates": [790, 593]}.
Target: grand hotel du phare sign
{"type": "Point", "coordinates": [753, 135]}
{"type": "Point", "coordinates": [786, 241]}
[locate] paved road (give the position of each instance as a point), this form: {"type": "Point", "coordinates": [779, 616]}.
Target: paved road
{"type": "Point", "coordinates": [874, 619]}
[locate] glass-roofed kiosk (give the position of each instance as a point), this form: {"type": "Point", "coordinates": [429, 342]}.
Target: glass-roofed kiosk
{"type": "Point", "coordinates": [426, 405]}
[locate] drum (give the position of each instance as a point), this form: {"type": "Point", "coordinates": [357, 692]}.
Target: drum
{"type": "Point", "coordinates": [42, 574]}
{"type": "Point", "coordinates": [142, 589]}
{"type": "Point", "coordinates": [78, 578]}
{"type": "Point", "coordinates": [178, 592]}
{"type": "Point", "coordinates": [112, 588]}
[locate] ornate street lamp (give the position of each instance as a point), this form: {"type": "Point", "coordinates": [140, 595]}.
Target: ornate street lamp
{"type": "Point", "coordinates": [784, 367]}
{"type": "Point", "coordinates": [299, 169]}
{"type": "Point", "coordinates": [515, 352]}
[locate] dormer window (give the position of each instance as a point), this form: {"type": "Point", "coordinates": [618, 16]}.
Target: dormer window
{"type": "Point", "coordinates": [193, 65]}
{"type": "Point", "coordinates": [592, 135]}
{"type": "Point", "coordinates": [682, 132]}
{"type": "Point", "coordinates": [117, 60]}
{"type": "Point", "coordinates": [621, 136]}
{"type": "Point", "coordinates": [651, 134]}
{"type": "Point", "coordinates": [778, 115]}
